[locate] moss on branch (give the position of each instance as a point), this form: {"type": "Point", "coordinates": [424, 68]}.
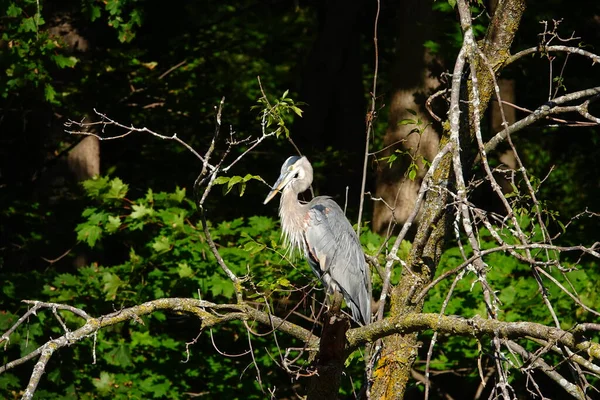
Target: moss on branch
{"type": "Point", "coordinates": [476, 327]}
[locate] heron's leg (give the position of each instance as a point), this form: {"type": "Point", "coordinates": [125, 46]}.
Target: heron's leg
{"type": "Point", "coordinates": [330, 290]}
{"type": "Point", "coordinates": [336, 299]}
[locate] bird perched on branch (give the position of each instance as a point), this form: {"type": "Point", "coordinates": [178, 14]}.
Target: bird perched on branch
{"type": "Point", "coordinates": [321, 231]}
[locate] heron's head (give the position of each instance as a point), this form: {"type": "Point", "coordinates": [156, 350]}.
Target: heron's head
{"type": "Point", "coordinates": [296, 173]}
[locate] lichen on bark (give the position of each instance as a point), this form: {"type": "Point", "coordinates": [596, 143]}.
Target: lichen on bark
{"type": "Point", "coordinates": [393, 371]}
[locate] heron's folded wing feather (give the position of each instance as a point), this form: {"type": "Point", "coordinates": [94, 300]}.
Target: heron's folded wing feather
{"type": "Point", "coordinates": [335, 246]}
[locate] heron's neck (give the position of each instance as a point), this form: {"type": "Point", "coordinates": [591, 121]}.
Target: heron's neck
{"type": "Point", "coordinates": [292, 215]}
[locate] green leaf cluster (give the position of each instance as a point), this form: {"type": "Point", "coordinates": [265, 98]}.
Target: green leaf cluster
{"type": "Point", "coordinates": [143, 247]}
{"type": "Point", "coordinates": [236, 181]}
{"type": "Point", "coordinates": [33, 53]}
{"type": "Point", "coordinates": [277, 115]}
{"type": "Point", "coordinates": [30, 53]}
{"type": "Point", "coordinates": [519, 297]}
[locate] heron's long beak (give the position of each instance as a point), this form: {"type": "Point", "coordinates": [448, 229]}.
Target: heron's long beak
{"type": "Point", "coordinates": [282, 181]}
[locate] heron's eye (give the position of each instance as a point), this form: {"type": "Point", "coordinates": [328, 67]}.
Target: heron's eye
{"type": "Point", "coordinates": [296, 175]}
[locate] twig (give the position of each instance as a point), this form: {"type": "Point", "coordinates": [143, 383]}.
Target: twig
{"type": "Point", "coordinates": [106, 121]}
{"type": "Point", "coordinates": [435, 334]}
{"type": "Point", "coordinates": [232, 277]}
{"type": "Point", "coordinates": [542, 112]}
{"type": "Point", "coordinates": [371, 115]}
{"type": "Point", "coordinates": [38, 370]}
{"type": "Point", "coordinates": [549, 49]}
{"type": "Point", "coordinates": [37, 305]}
{"type": "Point", "coordinates": [430, 100]}
{"type": "Point", "coordinates": [173, 68]}
{"type": "Point", "coordinates": [502, 248]}
{"type": "Point", "coordinates": [550, 372]}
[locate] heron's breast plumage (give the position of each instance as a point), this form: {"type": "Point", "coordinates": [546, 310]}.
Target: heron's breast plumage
{"type": "Point", "coordinates": [292, 230]}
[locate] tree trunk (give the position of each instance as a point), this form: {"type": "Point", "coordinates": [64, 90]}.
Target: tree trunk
{"type": "Point", "coordinates": [84, 159]}
{"type": "Point", "coordinates": [326, 382]}
{"type": "Point", "coordinates": [399, 352]}
{"type": "Point", "coordinates": [413, 80]}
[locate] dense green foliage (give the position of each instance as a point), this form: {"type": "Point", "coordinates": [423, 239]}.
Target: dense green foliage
{"type": "Point", "coordinates": [519, 296]}
{"type": "Point", "coordinates": [157, 249]}
{"type": "Point", "coordinates": [133, 234]}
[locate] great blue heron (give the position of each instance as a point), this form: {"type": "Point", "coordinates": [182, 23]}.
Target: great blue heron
{"type": "Point", "coordinates": [321, 231]}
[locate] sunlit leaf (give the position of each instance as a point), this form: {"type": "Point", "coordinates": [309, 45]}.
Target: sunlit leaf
{"type": "Point", "coordinates": [113, 224]}
{"type": "Point", "coordinates": [162, 244]}
{"type": "Point", "coordinates": [112, 284]}
{"type": "Point", "coordinates": [140, 210]}
{"type": "Point", "coordinates": [184, 270]}
{"type": "Point", "coordinates": [89, 233]}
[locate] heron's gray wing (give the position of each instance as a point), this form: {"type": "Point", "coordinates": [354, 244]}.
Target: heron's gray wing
{"type": "Point", "coordinates": [335, 250]}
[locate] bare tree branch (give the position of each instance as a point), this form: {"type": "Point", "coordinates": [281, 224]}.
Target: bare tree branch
{"type": "Point", "coordinates": [204, 310]}
{"type": "Point", "coordinates": [550, 49]}
{"type": "Point", "coordinates": [540, 364]}
{"type": "Point", "coordinates": [540, 113]}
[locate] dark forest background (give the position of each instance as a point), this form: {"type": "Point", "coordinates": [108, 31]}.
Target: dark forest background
{"type": "Point", "coordinates": [165, 66]}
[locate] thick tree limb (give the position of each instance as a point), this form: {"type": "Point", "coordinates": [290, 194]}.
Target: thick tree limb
{"type": "Point", "coordinates": [472, 327]}
{"type": "Point", "coordinates": [200, 308]}
{"type": "Point", "coordinates": [402, 324]}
